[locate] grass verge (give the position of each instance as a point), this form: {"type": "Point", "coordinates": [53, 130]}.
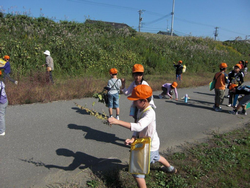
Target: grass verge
{"type": "Point", "coordinates": [221, 161]}
{"type": "Point", "coordinates": [35, 89]}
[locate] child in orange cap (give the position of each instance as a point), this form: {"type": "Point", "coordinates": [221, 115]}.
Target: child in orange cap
{"type": "Point", "coordinates": [245, 90]}
{"type": "Point", "coordinates": [179, 69]}
{"type": "Point", "coordinates": [114, 85]}
{"type": "Point", "coordinates": [7, 70]}
{"type": "Point", "coordinates": [145, 127]}
{"type": "Point", "coordinates": [137, 73]}
{"type": "Point", "coordinates": [220, 86]}
{"type": "Point", "coordinates": [167, 88]}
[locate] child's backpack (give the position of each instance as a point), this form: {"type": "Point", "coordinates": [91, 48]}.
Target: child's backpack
{"type": "Point", "coordinates": [184, 68]}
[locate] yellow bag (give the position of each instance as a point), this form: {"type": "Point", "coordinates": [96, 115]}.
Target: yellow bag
{"type": "Point", "coordinates": [139, 162]}
{"type": "Point", "coordinates": [2, 62]}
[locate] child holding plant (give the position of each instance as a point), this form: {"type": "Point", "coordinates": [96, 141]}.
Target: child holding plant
{"type": "Point", "coordinates": [137, 73]}
{"type": "Point", "coordinates": [113, 86]}
{"type": "Point", "coordinates": [145, 127]}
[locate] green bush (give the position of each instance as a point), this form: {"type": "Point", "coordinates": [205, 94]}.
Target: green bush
{"type": "Point", "coordinates": [93, 48]}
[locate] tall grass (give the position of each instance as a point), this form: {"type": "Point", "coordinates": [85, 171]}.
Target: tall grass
{"type": "Point", "coordinates": [80, 49]}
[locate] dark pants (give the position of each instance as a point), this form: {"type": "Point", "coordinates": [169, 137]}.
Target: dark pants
{"type": "Point", "coordinates": [231, 97]}
{"type": "Point", "coordinates": [7, 75]}
{"type": "Point", "coordinates": [49, 77]}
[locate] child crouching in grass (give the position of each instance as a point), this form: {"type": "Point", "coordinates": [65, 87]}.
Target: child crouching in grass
{"type": "Point", "coordinates": [145, 127]}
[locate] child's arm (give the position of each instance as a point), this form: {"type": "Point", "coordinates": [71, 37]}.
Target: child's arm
{"type": "Point", "coordinates": [113, 120]}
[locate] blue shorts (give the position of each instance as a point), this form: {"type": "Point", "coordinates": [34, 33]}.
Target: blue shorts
{"type": "Point", "coordinates": [113, 100]}
{"type": "Point", "coordinates": [154, 157]}
{"type": "Point", "coordinates": [178, 76]}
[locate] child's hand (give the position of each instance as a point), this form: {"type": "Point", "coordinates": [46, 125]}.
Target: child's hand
{"type": "Point", "coordinates": [112, 120]}
{"type": "Point", "coordinates": [123, 83]}
{"type": "Point", "coordinates": [129, 141]}
{"type": "Point", "coordinates": [176, 99]}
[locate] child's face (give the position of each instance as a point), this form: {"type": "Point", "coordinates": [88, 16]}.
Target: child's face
{"type": "Point", "coordinates": [138, 77]}
{"type": "Point", "coordinates": [236, 69]}
{"type": "Point", "coordinates": [140, 104]}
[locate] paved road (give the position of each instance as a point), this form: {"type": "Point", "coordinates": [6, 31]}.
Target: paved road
{"type": "Point", "coordinates": [53, 143]}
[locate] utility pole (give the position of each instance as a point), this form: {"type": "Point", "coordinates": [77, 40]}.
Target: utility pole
{"type": "Point", "coordinates": [140, 19]}
{"type": "Point", "coordinates": [216, 32]}
{"type": "Point", "coordinates": [172, 24]}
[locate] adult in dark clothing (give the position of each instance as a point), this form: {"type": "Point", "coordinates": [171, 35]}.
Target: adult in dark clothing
{"type": "Point", "coordinates": [235, 77]}
{"type": "Point", "coordinates": [179, 68]}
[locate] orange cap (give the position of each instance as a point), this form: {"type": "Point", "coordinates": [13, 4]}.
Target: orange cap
{"type": "Point", "coordinates": [180, 61]}
{"type": "Point", "coordinates": [113, 71]}
{"type": "Point", "coordinates": [237, 65]}
{"type": "Point", "coordinates": [223, 65]}
{"type": "Point", "coordinates": [232, 86]}
{"type": "Point", "coordinates": [138, 68]}
{"type": "Point", "coordinates": [174, 84]}
{"type": "Point", "coordinates": [6, 57]}
{"type": "Point", "coordinates": [140, 92]}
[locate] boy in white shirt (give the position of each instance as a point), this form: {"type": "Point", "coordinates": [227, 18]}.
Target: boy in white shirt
{"type": "Point", "coordinates": [145, 127]}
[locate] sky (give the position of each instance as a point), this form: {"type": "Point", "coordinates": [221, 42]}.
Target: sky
{"type": "Point", "coordinates": [197, 18]}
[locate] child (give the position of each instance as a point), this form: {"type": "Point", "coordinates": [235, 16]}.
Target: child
{"type": "Point", "coordinates": [7, 70]}
{"type": "Point", "coordinates": [137, 72]}
{"type": "Point", "coordinates": [3, 106]}
{"type": "Point", "coordinates": [235, 77]}
{"type": "Point", "coordinates": [145, 127]}
{"type": "Point", "coordinates": [166, 88]}
{"type": "Point", "coordinates": [220, 86]}
{"type": "Point", "coordinates": [179, 68]}
{"type": "Point", "coordinates": [114, 85]}
{"type": "Point", "coordinates": [245, 99]}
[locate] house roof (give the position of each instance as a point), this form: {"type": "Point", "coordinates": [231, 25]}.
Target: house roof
{"type": "Point", "coordinates": [166, 33]}
{"type": "Point", "coordinates": [116, 25]}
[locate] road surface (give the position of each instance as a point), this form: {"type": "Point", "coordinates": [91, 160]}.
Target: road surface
{"type": "Point", "coordinates": [52, 143]}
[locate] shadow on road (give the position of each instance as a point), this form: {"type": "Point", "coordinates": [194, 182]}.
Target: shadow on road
{"type": "Point", "coordinates": [98, 135]}
{"type": "Point", "coordinates": [210, 94]}
{"type": "Point", "coordinates": [82, 161]}
{"type": "Point", "coordinates": [193, 105]}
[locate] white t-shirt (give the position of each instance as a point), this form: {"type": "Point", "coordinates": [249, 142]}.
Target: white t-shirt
{"type": "Point", "coordinates": [146, 127]}
{"type": "Point", "coordinates": [128, 91]}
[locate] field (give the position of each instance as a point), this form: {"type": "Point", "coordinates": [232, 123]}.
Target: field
{"type": "Point", "coordinates": [83, 54]}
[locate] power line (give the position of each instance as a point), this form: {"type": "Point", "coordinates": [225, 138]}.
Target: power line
{"type": "Point", "coordinates": [154, 21]}
{"type": "Point", "coordinates": [114, 6]}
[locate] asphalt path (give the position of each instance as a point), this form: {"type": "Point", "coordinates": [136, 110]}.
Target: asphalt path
{"type": "Point", "coordinates": [53, 143]}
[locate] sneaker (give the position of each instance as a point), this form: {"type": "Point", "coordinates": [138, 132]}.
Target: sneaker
{"type": "Point", "coordinates": [165, 169]}
{"type": "Point", "coordinates": [160, 96]}
{"type": "Point", "coordinates": [233, 112]}
{"type": "Point", "coordinates": [117, 117]}
{"type": "Point", "coordinates": [243, 112]}
{"type": "Point", "coordinates": [218, 109]}
{"type": "Point", "coordinates": [16, 82]}
{"type": "Point", "coordinates": [229, 105]}
{"type": "Point", "coordinates": [2, 134]}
